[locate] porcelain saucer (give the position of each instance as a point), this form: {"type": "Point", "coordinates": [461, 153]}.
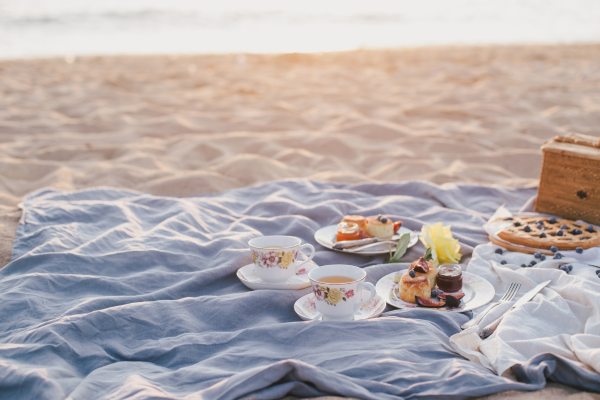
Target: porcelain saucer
{"type": "Point", "coordinates": [299, 281]}
{"type": "Point", "coordinates": [307, 310]}
{"type": "Point", "coordinates": [326, 238]}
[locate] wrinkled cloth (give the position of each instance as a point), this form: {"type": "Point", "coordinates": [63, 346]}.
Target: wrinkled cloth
{"type": "Point", "coordinates": [119, 294]}
{"type": "Point", "coordinates": [562, 320]}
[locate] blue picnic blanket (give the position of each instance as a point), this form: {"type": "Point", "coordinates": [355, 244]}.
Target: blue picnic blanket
{"type": "Point", "coordinates": [117, 294]}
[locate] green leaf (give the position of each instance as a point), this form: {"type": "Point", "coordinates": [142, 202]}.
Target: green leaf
{"type": "Point", "coordinates": [428, 256]}
{"type": "Point", "coordinates": [401, 247]}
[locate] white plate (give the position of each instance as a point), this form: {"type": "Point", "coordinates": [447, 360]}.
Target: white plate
{"type": "Point", "coordinates": [478, 292]}
{"type": "Point", "coordinates": [299, 281]}
{"type": "Point", "coordinates": [306, 309]}
{"type": "Point", "coordinates": [326, 238]}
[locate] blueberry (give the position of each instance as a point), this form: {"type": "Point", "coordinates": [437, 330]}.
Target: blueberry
{"type": "Point", "coordinates": [379, 217]}
{"type": "Point", "coordinates": [552, 220]}
{"type": "Point", "coordinates": [527, 229]}
{"type": "Point", "coordinates": [509, 218]}
{"type": "Point", "coordinates": [503, 262]}
{"type": "Point", "coordinates": [590, 228]}
{"type": "Point", "coordinates": [517, 223]}
{"type": "Point", "coordinates": [557, 256]}
{"type": "Point", "coordinates": [560, 233]}
{"type": "Point", "coordinates": [498, 251]}
{"type": "Point", "coordinates": [540, 227]}
{"type": "Point", "coordinates": [563, 268]}
{"type": "Point", "coordinates": [570, 268]}
{"type": "Point", "coordinates": [598, 272]}
{"type": "Point", "coordinates": [412, 273]}
{"type": "Point", "coordinates": [540, 222]}
{"type": "Point", "coordinates": [543, 234]}
{"type": "Point", "coordinates": [554, 249]}
{"type": "Point", "coordinates": [532, 262]}
{"type": "Point", "coordinates": [579, 231]}
{"type": "Point", "coordinates": [579, 250]}
{"type": "Point", "coordinates": [564, 227]}
{"type": "Point", "coordinates": [523, 266]}
{"type": "Point", "coordinates": [537, 255]}
{"type": "Point", "coordinates": [434, 292]}
{"type": "Point", "coordinates": [383, 220]}
{"type": "Point", "coordinates": [542, 257]}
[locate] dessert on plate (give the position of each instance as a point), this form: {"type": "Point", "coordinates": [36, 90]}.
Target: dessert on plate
{"type": "Point", "coordinates": [353, 227]}
{"type": "Point", "coordinates": [545, 233]}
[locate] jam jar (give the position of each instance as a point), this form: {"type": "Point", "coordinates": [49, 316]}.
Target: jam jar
{"type": "Point", "coordinates": [347, 231]}
{"type": "Point", "coordinates": [449, 277]}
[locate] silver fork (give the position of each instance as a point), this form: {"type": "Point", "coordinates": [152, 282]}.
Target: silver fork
{"type": "Point", "coordinates": [510, 294]}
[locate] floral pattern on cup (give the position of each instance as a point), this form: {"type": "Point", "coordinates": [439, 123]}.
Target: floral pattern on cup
{"type": "Point", "coordinates": [331, 296]}
{"type": "Point", "coordinates": [274, 259]}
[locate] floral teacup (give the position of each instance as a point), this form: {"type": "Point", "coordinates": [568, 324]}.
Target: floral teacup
{"type": "Point", "coordinates": [339, 300]}
{"type": "Point", "coordinates": [275, 257]}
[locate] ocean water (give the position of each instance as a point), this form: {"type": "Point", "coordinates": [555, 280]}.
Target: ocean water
{"type": "Point", "coordinates": [41, 28]}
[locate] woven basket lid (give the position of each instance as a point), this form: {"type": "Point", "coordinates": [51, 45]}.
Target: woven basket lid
{"type": "Point", "coordinates": [574, 144]}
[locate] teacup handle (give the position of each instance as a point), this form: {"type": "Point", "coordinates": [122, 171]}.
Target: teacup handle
{"type": "Point", "coordinates": [359, 287]}
{"type": "Point", "coordinates": [312, 254]}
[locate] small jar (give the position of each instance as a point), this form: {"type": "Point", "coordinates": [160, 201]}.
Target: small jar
{"type": "Point", "coordinates": [449, 277]}
{"type": "Point", "coordinates": [347, 231]}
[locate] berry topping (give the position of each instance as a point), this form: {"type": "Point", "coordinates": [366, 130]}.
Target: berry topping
{"type": "Point", "coordinates": [537, 255]}
{"type": "Point", "coordinates": [517, 223]}
{"type": "Point", "coordinates": [543, 235]}
{"type": "Point", "coordinates": [533, 262]}
{"type": "Point", "coordinates": [564, 227]}
{"type": "Point", "coordinates": [503, 262]}
{"type": "Point", "coordinates": [560, 233]}
{"type": "Point", "coordinates": [379, 217]}
{"type": "Point", "coordinates": [428, 302]}
{"type": "Point", "coordinates": [523, 266]}
{"type": "Point", "coordinates": [542, 257]}
{"type": "Point", "coordinates": [498, 251]}
{"type": "Point", "coordinates": [557, 256]}
{"type": "Point", "coordinates": [554, 249]}
{"type": "Point", "coordinates": [509, 218]}
{"type": "Point", "coordinates": [527, 229]}
{"type": "Point", "coordinates": [570, 268]}
{"type": "Point", "coordinates": [590, 228]}
{"type": "Point", "coordinates": [384, 220]}
{"type": "Point", "coordinates": [412, 273]}
{"type": "Point", "coordinates": [434, 292]}
{"type": "Point", "coordinates": [563, 268]}
{"type": "Point", "coordinates": [579, 250]}
{"type": "Point", "coordinates": [552, 220]}
{"type": "Point", "coordinates": [540, 227]}
{"type": "Point", "coordinates": [598, 272]}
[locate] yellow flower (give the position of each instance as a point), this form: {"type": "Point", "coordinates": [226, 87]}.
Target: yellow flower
{"type": "Point", "coordinates": [287, 258]}
{"type": "Point", "coordinates": [444, 248]}
{"type": "Point", "coordinates": [254, 256]}
{"type": "Point", "coordinates": [335, 295]}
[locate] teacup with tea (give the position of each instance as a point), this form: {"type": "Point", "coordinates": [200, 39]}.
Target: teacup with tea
{"type": "Point", "coordinates": [276, 257]}
{"type": "Point", "coordinates": [337, 290]}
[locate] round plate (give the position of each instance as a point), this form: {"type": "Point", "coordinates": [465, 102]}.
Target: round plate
{"type": "Point", "coordinates": [326, 237]}
{"type": "Point", "coordinates": [478, 292]}
{"type": "Point", "coordinates": [307, 310]}
{"type": "Point", "coordinates": [299, 281]}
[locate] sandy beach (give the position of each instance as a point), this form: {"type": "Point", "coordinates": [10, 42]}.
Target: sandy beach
{"type": "Point", "coordinates": [193, 124]}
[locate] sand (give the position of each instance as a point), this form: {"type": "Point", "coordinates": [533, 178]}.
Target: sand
{"type": "Point", "coordinates": [191, 124]}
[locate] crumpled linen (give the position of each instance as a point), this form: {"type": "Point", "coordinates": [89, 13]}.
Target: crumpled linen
{"type": "Point", "coordinates": [562, 320]}
{"type": "Point", "coordinates": [119, 294]}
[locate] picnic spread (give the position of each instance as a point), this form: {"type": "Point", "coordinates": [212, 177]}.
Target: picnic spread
{"type": "Point", "coordinates": [115, 293]}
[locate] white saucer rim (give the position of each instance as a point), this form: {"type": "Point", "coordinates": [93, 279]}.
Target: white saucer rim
{"type": "Point", "coordinates": [377, 312]}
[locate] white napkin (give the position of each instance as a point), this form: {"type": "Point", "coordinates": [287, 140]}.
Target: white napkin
{"type": "Point", "coordinates": [564, 318]}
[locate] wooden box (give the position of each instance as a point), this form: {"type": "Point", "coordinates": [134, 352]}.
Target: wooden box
{"type": "Point", "coordinates": [570, 178]}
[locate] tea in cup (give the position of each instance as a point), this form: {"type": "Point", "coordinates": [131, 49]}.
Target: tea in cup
{"type": "Point", "coordinates": [275, 257]}
{"type": "Point", "coordinates": [337, 290]}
